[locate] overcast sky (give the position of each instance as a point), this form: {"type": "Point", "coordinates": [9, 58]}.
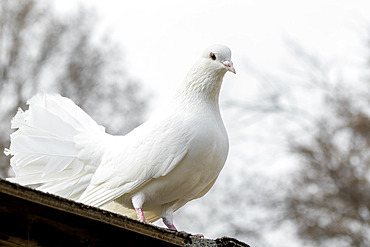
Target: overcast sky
{"type": "Point", "coordinates": [162, 39]}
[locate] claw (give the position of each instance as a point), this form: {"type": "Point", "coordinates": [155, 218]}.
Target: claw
{"type": "Point", "coordinates": [198, 235]}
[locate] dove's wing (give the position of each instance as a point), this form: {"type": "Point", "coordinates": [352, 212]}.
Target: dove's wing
{"type": "Point", "coordinates": [150, 151]}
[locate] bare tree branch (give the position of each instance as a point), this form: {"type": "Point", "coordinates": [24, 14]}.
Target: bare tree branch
{"type": "Point", "coordinates": [41, 51]}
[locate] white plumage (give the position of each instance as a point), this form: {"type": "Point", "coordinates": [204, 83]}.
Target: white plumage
{"type": "Point", "coordinates": [154, 170]}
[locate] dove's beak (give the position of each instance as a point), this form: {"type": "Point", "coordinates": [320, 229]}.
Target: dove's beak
{"type": "Point", "coordinates": [229, 66]}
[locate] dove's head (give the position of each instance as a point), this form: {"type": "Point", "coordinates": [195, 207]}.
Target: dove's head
{"type": "Point", "coordinates": [218, 57]}
{"type": "Point", "coordinates": [205, 77]}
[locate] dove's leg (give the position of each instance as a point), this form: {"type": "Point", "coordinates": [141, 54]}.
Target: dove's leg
{"type": "Point", "coordinates": [167, 218]}
{"type": "Point", "coordinates": [169, 223]}
{"type": "Point", "coordinates": [137, 202]}
{"type": "Point", "coordinates": [140, 215]}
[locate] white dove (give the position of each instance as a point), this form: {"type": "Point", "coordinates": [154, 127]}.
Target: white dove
{"type": "Point", "coordinates": [151, 172]}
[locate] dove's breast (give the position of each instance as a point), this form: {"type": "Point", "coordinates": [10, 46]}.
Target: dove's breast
{"type": "Point", "coordinates": [209, 145]}
{"type": "Point", "coordinates": [207, 152]}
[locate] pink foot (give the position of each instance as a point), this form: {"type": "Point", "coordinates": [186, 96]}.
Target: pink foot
{"type": "Point", "coordinates": [169, 224]}
{"type": "Point", "coordinates": [140, 215]}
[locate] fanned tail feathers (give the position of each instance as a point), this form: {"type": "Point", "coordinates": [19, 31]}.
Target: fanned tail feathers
{"type": "Point", "coordinates": [44, 148]}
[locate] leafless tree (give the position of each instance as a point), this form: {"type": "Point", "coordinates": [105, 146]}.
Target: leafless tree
{"type": "Point", "coordinates": [327, 196]}
{"type": "Point", "coordinates": [44, 51]}
{"type": "Point", "coordinates": [330, 202]}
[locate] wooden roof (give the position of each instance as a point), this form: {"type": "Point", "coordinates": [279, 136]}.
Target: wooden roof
{"type": "Point", "coordinates": [30, 217]}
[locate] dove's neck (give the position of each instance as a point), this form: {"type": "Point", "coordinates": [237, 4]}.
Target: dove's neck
{"type": "Point", "coordinates": [201, 84]}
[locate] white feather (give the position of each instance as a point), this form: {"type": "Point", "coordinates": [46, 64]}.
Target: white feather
{"type": "Point", "coordinates": [43, 148]}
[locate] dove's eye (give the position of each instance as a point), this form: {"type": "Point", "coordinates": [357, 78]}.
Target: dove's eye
{"type": "Point", "coordinates": [212, 56]}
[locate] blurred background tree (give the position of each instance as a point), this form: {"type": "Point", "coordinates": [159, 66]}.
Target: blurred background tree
{"type": "Point", "coordinates": [43, 51]}
{"type": "Point", "coordinates": [326, 197]}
